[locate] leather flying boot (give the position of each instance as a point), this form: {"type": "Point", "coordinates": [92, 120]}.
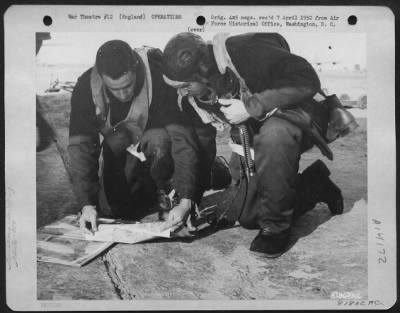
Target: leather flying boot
{"type": "Point", "coordinates": [313, 186]}
{"type": "Point", "coordinates": [270, 245]}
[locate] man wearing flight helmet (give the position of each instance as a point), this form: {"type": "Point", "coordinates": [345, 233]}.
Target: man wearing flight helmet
{"type": "Point", "coordinates": [254, 78]}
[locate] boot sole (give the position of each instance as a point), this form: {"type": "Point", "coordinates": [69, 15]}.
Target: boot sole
{"type": "Point", "coordinates": [266, 255]}
{"type": "Point", "coordinates": [338, 207]}
{"type": "Point", "coordinates": [336, 202]}
{"type": "Point", "coordinates": [321, 167]}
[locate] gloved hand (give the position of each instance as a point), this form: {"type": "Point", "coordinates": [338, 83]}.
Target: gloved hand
{"type": "Point", "coordinates": [88, 215]}
{"type": "Point", "coordinates": [234, 110]}
{"type": "Point", "coordinates": [180, 213]}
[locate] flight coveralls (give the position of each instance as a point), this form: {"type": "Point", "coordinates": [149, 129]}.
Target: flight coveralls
{"type": "Point", "coordinates": [276, 78]}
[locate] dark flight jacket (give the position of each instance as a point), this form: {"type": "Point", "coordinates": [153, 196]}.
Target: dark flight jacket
{"type": "Point", "coordinates": [84, 148]}
{"type": "Point", "coordinates": [275, 76]}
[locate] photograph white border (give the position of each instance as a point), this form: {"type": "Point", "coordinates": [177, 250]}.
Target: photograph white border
{"type": "Point", "coordinates": [21, 22]}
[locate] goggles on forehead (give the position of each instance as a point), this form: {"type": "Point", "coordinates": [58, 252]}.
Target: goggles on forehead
{"type": "Point", "coordinates": [174, 83]}
{"type": "Point", "coordinates": [182, 88]}
{"type": "Point", "coordinates": [194, 78]}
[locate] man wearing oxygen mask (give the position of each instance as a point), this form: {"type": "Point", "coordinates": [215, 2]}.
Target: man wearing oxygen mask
{"type": "Point", "coordinates": [122, 102]}
{"type": "Point", "coordinates": [253, 80]}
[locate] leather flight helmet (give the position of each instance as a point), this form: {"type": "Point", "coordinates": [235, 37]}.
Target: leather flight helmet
{"type": "Point", "coordinates": [182, 56]}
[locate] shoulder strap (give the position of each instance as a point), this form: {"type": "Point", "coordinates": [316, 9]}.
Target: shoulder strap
{"type": "Point", "coordinates": [224, 60]}
{"type": "Point", "coordinates": [143, 54]}
{"type": "Point", "coordinates": [98, 93]}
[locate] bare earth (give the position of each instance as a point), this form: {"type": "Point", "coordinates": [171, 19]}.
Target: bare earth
{"type": "Point", "coordinates": [327, 254]}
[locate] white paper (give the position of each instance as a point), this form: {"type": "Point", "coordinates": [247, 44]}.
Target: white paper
{"type": "Point", "coordinates": [129, 233]}
{"type": "Point", "coordinates": [132, 149]}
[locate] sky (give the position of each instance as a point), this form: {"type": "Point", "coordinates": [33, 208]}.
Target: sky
{"type": "Point", "coordinates": [67, 55]}
{"type": "Point", "coordinates": [80, 48]}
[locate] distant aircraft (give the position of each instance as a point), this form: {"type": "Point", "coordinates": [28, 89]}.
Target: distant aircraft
{"type": "Point", "coordinates": [320, 64]}
{"type": "Point", "coordinates": [328, 62]}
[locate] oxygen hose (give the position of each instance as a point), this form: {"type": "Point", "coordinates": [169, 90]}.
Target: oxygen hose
{"type": "Point", "coordinates": [245, 141]}
{"type": "Point", "coordinates": [247, 167]}
{"type": "Point", "coordinates": [243, 134]}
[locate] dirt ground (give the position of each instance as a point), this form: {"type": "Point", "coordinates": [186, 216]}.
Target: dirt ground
{"type": "Point", "coordinates": [327, 254]}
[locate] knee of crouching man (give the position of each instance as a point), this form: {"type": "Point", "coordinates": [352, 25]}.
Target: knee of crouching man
{"type": "Point", "coordinates": [155, 143]}
{"type": "Point", "coordinates": [278, 133]}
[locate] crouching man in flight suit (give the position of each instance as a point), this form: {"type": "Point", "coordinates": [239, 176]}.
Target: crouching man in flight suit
{"type": "Point", "coordinates": [121, 102]}
{"type": "Point", "coordinates": [252, 76]}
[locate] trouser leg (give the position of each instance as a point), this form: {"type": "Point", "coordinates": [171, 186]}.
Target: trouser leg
{"type": "Point", "coordinates": [206, 140]}
{"type": "Point", "coordinates": [271, 195]}
{"type": "Point", "coordinates": [123, 192]}
{"type": "Point", "coordinates": [206, 135]}
{"type": "Point", "coordinates": [131, 185]}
